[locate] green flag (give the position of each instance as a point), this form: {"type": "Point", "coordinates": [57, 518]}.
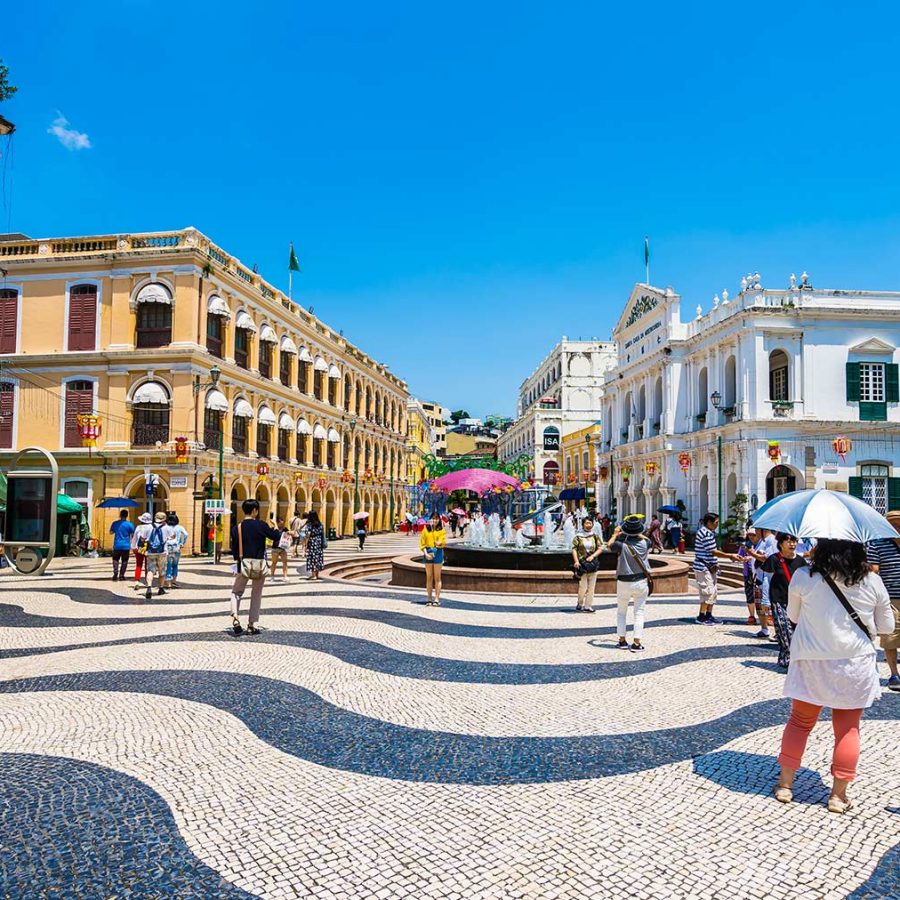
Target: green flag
{"type": "Point", "coordinates": [294, 263]}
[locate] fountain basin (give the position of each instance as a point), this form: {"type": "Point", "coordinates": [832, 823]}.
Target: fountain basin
{"type": "Point", "coordinates": [533, 571]}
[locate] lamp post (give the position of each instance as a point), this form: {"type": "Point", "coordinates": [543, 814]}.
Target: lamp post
{"type": "Point", "coordinates": [215, 373]}
{"type": "Point", "coordinates": [716, 400]}
{"type": "Point", "coordinates": [352, 426]}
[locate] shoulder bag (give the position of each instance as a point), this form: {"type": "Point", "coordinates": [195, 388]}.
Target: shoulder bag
{"type": "Point", "coordinates": [253, 569]}
{"type": "Point", "coordinates": [847, 605]}
{"type": "Point", "coordinates": [637, 558]}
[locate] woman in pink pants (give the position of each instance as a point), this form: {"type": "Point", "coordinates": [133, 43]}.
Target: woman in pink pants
{"type": "Point", "coordinates": [833, 661]}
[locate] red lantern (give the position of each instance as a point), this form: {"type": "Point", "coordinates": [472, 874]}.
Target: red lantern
{"type": "Point", "coordinates": [381, 478]}
{"type": "Point", "coordinates": [626, 474]}
{"type": "Point", "coordinates": [604, 473]}
{"type": "Point", "coordinates": [181, 450]}
{"type": "Point", "coordinates": [89, 428]}
{"type": "Point", "coordinates": [684, 460]}
{"type": "Point", "coordinates": [322, 483]}
{"type": "Point", "coordinates": [298, 478]}
{"type": "Point", "coordinates": [842, 446]}
{"type": "Point", "coordinates": [346, 477]}
{"type": "Point", "coordinates": [262, 470]}
{"type": "Point", "coordinates": [774, 451]}
{"type": "Point", "coordinates": [368, 476]}
{"type": "Point", "coordinates": [650, 468]}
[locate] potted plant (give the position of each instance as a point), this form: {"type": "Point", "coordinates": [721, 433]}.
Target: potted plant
{"type": "Point", "coordinates": [736, 523]}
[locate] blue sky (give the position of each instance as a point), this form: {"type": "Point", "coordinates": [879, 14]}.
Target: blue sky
{"type": "Point", "coordinates": [466, 182]}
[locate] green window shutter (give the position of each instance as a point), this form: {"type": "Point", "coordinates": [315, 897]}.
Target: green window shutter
{"type": "Point", "coordinates": [852, 382]}
{"type": "Point", "coordinates": [855, 486]}
{"type": "Point", "coordinates": [872, 412]}
{"type": "Point", "coordinates": [893, 493]}
{"type": "Point", "coordinates": [891, 383]}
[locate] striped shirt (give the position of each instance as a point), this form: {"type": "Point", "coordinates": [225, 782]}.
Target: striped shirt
{"type": "Point", "coordinates": [704, 544]}
{"type": "Point", "coordinates": [885, 554]}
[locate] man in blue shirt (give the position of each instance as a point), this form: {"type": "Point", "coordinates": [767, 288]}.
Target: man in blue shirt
{"type": "Point", "coordinates": [123, 530]}
{"type": "Point", "coordinates": [884, 558]}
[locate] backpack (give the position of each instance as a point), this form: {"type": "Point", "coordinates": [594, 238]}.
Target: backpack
{"type": "Point", "coordinates": [156, 542]}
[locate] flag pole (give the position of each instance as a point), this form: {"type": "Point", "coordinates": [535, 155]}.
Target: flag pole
{"type": "Point", "coordinates": [647, 257]}
{"type": "Point", "coordinates": [290, 284]}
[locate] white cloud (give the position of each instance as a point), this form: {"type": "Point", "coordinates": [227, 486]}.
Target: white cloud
{"type": "Point", "coordinates": [69, 137]}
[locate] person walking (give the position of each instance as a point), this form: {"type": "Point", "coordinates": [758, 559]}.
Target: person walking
{"type": "Point", "coordinates": [838, 606]}
{"type": "Point", "coordinates": [748, 572]}
{"type": "Point", "coordinates": [654, 532]}
{"type": "Point", "coordinates": [139, 556]}
{"type": "Point", "coordinates": [454, 521]}
{"type": "Point", "coordinates": [361, 532]}
{"type": "Point", "coordinates": [123, 531]}
{"type": "Point", "coordinates": [174, 545]}
{"type": "Point", "coordinates": [706, 568]}
{"type": "Point", "coordinates": [632, 547]}
{"type": "Point", "coordinates": [151, 538]}
{"type": "Point", "coordinates": [884, 559]}
{"type": "Point", "coordinates": [296, 529]}
{"type": "Point", "coordinates": [248, 547]}
{"type": "Point", "coordinates": [675, 533]}
{"type": "Point", "coordinates": [586, 548]}
{"type": "Point", "coordinates": [315, 545]}
{"type": "Point", "coordinates": [780, 567]}
{"type": "Point", "coordinates": [280, 547]}
{"type": "Point", "coordinates": [432, 541]}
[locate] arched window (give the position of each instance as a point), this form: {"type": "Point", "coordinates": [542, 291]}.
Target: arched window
{"type": "Point", "coordinates": [7, 408]}
{"type": "Point", "coordinates": [9, 313]}
{"type": "Point", "coordinates": [154, 316]}
{"type": "Point", "coordinates": [551, 472]}
{"type": "Point", "coordinates": [79, 400]}
{"type": "Point", "coordinates": [83, 317]}
{"type": "Point", "coordinates": [240, 426]}
{"type": "Point", "coordinates": [730, 392]}
{"type": "Point", "coordinates": [702, 394]}
{"type": "Point", "coordinates": [150, 415]}
{"type": "Point", "coordinates": [778, 376]}
{"type": "Point", "coordinates": [214, 418]}
{"type": "Point", "coordinates": [657, 404]}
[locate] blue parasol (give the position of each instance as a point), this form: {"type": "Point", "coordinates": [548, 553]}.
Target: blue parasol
{"type": "Point", "coordinates": [116, 502]}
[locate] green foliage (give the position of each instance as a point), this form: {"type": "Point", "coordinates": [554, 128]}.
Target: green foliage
{"type": "Point", "coordinates": [458, 414]}
{"type": "Point", "coordinates": [6, 89]}
{"type": "Point", "coordinates": [736, 523]}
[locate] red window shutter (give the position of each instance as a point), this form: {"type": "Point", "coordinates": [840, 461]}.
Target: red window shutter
{"type": "Point", "coordinates": [9, 307]}
{"type": "Point", "coordinates": [82, 317]}
{"type": "Point", "coordinates": [79, 400]}
{"type": "Point", "coordinates": [6, 415]}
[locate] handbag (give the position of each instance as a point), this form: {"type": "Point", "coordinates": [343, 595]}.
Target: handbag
{"type": "Point", "coordinates": [643, 568]}
{"type": "Point", "coordinates": [253, 569]}
{"type": "Point", "coordinates": [285, 541]}
{"type": "Point", "coordinates": [847, 605]}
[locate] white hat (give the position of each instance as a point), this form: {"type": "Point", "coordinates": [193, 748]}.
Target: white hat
{"type": "Point", "coordinates": [145, 518]}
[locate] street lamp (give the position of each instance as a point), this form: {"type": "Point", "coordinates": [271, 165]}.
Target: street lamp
{"type": "Point", "coordinates": [215, 373]}
{"type": "Point", "coordinates": [352, 426]}
{"type": "Point", "coordinates": [716, 400]}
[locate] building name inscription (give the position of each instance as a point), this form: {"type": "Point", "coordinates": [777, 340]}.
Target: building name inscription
{"type": "Point", "coordinates": [648, 330]}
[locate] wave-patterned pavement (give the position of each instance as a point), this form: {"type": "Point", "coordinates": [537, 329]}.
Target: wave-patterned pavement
{"type": "Point", "coordinates": [366, 746]}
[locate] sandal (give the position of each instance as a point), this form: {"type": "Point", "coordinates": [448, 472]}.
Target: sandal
{"type": "Point", "coordinates": [783, 794]}
{"type": "Point", "coordinates": [236, 626]}
{"type": "Point", "coordinates": [252, 629]}
{"type": "Point", "coordinates": [836, 805]}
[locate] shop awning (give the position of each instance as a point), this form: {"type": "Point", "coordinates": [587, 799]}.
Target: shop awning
{"type": "Point", "coordinates": [319, 433]}
{"type": "Point", "coordinates": [153, 293]}
{"type": "Point", "coordinates": [217, 401]}
{"type": "Point", "coordinates": [243, 409]}
{"type": "Point", "coordinates": [334, 436]}
{"type": "Point", "coordinates": [303, 427]}
{"type": "Point", "coordinates": [572, 494]}
{"type": "Point", "coordinates": [266, 416]}
{"type": "Point", "coordinates": [287, 345]}
{"type": "Point", "coordinates": [321, 365]}
{"type": "Point", "coordinates": [285, 422]}
{"type": "Point", "coordinates": [151, 392]}
{"type": "Point", "coordinates": [268, 335]}
{"type": "Point", "coordinates": [216, 306]}
{"type": "Point", "coordinates": [303, 355]}
{"type": "Point", "coordinates": [334, 371]}
{"type": "Point", "coordinates": [244, 322]}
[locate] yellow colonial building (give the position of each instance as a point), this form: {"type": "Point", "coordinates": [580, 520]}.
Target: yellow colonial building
{"type": "Point", "coordinates": [420, 440]}
{"type": "Point", "coordinates": [177, 346]}
{"type": "Point", "coordinates": [578, 453]}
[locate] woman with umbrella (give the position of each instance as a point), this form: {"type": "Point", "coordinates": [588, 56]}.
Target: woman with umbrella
{"type": "Point", "coordinates": [837, 606]}
{"type": "Point", "coordinates": [673, 525]}
{"type": "Point", "coordinates": [361, 530]}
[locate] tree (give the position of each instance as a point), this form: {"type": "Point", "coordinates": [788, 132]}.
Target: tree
{"type": "Point", "coordinates": [458, 414]}
{"type": "Point", "coordinates": [6, 89]}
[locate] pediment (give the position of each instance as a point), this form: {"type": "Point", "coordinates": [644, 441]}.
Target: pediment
{"type": "Point", "coordinates": [872, 345]}
{"type": "Point", "coordinates": [643, 302]}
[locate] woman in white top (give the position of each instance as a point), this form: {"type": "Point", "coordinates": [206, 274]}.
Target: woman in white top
{"type": "Point", "coordinates": [832, 659]}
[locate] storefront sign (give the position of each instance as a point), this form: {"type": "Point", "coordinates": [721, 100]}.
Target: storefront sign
{"type": "Point", "coordinates": [178, 481]}
{"type": "Point", "coordinates": [215, 508]}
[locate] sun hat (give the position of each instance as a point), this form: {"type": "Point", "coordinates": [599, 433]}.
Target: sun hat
{"type": "Point", "coordinates": [160, 518]}
{"type": "Point", "coordinates": [633, 524]}
{"type": "Point", "coordinates": [145, 518]}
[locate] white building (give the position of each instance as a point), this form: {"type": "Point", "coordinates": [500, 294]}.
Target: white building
{"type": "Point", "coordinates": [765, 381]}
{"type": "Point", "coordinates": [563, 394]}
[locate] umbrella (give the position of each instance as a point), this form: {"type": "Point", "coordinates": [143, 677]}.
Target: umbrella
{"type": "Point", "coordinates": [421, 522]}
{"type": "Point", "coordinates": [362, 514]}
{"type": "Point", "coordinates": [824, 514]}
{"type": "Point", "coordinates": [410, 517]}
{"type": "Point", "coordinates": [116, 502]}
{"type": "Point", "coordinates": [670, 510]}
{"type": "Point", "coordinates": [478, 480]}
{"type": "Point", "coordinates": [458, 511]}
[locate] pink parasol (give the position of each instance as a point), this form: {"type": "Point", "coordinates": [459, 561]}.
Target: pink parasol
{"type": "Point", "coordinates": [478, 480]}
{"type": "Point", "coordinates": [458, 511]}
